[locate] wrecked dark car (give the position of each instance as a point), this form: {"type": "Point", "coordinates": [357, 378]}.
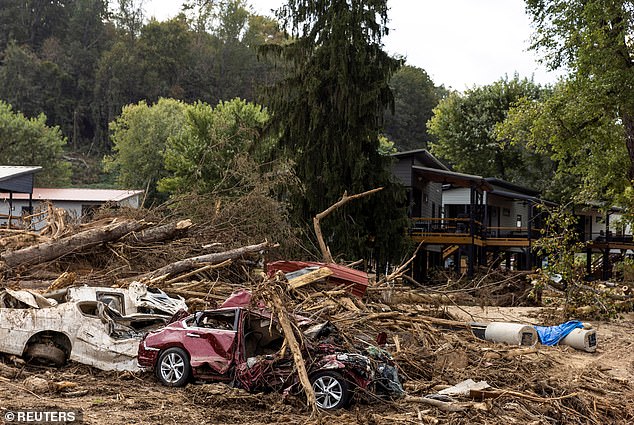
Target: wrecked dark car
{"type": "Point", "coordinates": [243, 348]}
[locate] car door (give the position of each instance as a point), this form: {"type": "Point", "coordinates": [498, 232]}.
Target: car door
{"type": "Point", "coordinates": [210, 339]}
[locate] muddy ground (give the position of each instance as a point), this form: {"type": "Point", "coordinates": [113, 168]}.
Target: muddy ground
{"type": "Point", "coordinates": [124, 398]}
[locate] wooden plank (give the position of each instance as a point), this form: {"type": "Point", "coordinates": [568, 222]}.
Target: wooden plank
{"type": "Point", "coordinates": [310, 277]}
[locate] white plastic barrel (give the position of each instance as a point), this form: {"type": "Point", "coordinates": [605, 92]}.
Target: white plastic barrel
{"type": "Point", "coordinates": [511, 333]}
{"type": "Point", "coordinates": [581, 339]}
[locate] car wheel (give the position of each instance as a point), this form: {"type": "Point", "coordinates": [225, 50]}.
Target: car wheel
{"type": "Point", "coordinates": [331, 390]}
{"type": "Point", "coordinates": [173, 367]}
{"type": "Point", "coordinates": [46, 354]}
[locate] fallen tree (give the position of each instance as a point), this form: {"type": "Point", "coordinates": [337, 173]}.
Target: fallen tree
{"type": "Point", "coordinates": [78, 242]}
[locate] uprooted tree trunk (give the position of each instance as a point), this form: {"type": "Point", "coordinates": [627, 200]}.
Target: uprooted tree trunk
{"type": "Point", "coordinates": [194, 262]}
{"type": "Point", "coordinates": [325, 251]}
{"type": "Point", "coordinates": [81, 241]}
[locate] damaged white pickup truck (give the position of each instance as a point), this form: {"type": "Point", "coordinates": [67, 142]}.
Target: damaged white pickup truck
{"type": "Point", "coordinates": [96, 326]}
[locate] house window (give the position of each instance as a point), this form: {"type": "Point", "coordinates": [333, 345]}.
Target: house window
{"type": "Point", "coordinates": [506, 212]}
{"type": "Point", "coordinates": [519, 221]}
{"type": "Point", "coordinates": [433, 210]}
{"type": "Point", "coordinates": [425, 198]}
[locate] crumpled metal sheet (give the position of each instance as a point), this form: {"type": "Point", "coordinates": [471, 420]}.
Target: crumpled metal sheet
{"type": "Point", "coordinates": [154, 298]}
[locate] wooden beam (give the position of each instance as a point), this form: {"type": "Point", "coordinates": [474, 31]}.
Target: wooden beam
{"type": "Point", "coordinates": [309, 278]}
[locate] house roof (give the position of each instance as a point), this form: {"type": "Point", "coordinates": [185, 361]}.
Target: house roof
{"type": "Point", "coordinates": [423, 156]}
{"type": "Point", "coordinates": [16, 178]}
{"type": "Point", "coordinates": [78, 195]}
{"type": "Point", "coordinates": [10, 171]}
{"type": "Point", "coordinates": [521, 196]}
{"type": "Point", "coordinates": [511, 186]}
{"type": "Point", "coordinates": [458, 179]}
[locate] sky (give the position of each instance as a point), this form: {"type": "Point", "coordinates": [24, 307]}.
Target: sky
{"type": "Point", "coordinates": [460, 43]}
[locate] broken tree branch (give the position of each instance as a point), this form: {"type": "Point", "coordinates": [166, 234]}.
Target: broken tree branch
{"type": "Point", "coordinates": [325, 251]}
{"type": "Point", "coordinates": [401, 269]}
{"type": "Point", "coordinates": [194, 262]}
{"type": "Point", "coordinates": [274, 293]}
{"type": "Point", "coordinates": [200, 270]}
{"type": "Point", "coordinates": [159, 233]}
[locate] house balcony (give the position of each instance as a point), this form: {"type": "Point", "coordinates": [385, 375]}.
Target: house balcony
{"type": "Point", "coordinates": [463, 231]}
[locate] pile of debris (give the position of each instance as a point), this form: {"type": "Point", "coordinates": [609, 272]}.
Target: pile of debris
{"type": "Point", "coordinates": [449, 374]}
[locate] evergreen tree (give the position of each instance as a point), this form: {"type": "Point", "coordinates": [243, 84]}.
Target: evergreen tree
{"type": "Point", "coordinates": [328, 112]}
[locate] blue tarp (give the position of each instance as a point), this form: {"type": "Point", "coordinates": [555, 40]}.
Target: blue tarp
{"type": "Point", "coordinates": [551, 335]}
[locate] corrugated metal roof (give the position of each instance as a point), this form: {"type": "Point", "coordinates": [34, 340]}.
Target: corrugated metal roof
{"type": "Point", "coordinates": [10, 171]}
{"type": "Point", "coordinates": [78, 195]}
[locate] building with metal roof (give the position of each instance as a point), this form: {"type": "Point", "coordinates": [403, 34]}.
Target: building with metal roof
{"type": "Point", "coordinates": [78, 203]}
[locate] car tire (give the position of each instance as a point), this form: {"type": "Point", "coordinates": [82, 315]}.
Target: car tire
{"type": "Point", "coordinates": [45, 354]}
{"type": "Point", "coordinates": [331, 390]}
{"type": "Point", "coordinates": [173, 368]}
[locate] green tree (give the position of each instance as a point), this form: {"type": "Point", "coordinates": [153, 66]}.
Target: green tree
{"type": "Point", "coordinates": [49, 61]}
{"type": "Point", "coordinates": [31, 22]}
{"type": "Point", "coordinates": [119, 82]}
{"type": "Point", "coordinates": [139, 138]}
{"type": "Point", "coordinates": [464, 126]}
{"type": "Point", "coordinates": [29, 141]}
{"type": "Point", "coordinates": [164, 50]}
{"type": "Point", "coordinates": [582, 140]}
{"type": "Point", "coordinates": [129, 16]}
{"type": "Point", "coordinates": [78, 55]}
{"type": "Point", "coordinates": [145, 68]}
{"type": "Point", "coordinates": [210, 142]}
{"type": "Point", "coordinates": [415, 97]}
{"type": "Point", "coordinates": [593, 39]}
{"type": "Point", "coordinates": [328, 112]}
{"type": "Point", "coordinates": [34, 85]}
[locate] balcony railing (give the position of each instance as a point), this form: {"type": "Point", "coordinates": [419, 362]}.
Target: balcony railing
{"type": "Point", "coordinates": [462, 226]}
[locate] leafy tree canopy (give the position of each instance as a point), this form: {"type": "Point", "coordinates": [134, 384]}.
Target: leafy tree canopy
{"type": "Point", "coordinates": [29, 141]}
{"type": "Point", "coordinates": [139, 137]}
{"type": "Point", "coordinates": [464, 126]}
{"type": "Point", "coordinates": [415, 97]}
{"type": "Point", "coordinates": [593, 39]}
{"type": "Point", "coordinates": [211, 140]}
{"type": "Point", "coordinates": [583, 141]}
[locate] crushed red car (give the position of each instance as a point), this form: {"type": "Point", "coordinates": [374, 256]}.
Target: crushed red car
{"type": "Point", "coordinates": [241, 346]}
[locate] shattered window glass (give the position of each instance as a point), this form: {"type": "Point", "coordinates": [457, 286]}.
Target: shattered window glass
{"type": "Point", "coordinates": [88, 308]}
{"type": "Point", "coordinates": [223, 321]}
{"type": "Point", "coordinates": [114, 301]}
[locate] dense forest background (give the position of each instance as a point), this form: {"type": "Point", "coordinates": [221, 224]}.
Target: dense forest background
{"type": "Point", "coordinates": [80, 62]}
